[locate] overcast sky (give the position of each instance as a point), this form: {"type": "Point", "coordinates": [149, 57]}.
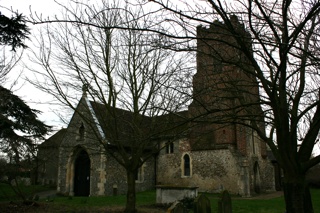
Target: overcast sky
{"type": "Point", "coordinates": [28, 93]}
{"type": "Point", "coordinates": [44, 6]}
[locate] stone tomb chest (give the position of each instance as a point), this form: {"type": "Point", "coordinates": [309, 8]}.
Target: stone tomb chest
{"type": "Point", "coordinates": [170, 194]}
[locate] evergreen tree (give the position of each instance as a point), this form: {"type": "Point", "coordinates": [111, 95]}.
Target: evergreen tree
{"type": "Point", "coordinates": [19, 124]}
{"type": "Point", "coordinates": [13, 31]}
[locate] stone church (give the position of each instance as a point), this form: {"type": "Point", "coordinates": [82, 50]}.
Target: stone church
{"type": "Point", "coordinates": [212, 156]}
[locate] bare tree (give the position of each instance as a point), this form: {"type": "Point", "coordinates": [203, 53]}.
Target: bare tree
{"type": "Point", "coordinates": [140, 87]}
{"type": "Point", "coordinates": [280, 47]}
{"type": "Point", "coordinates": [281, 53]}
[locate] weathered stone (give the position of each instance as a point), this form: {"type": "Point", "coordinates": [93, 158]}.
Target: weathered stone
{"type": "Point", "coordinates": [202, 204]}
{"type": "Point", "coordinates": [170, 194]}
{"type": "Point", "coordinates": [177, 207]}
{"type": "Point", "coordinates": [225, 204]}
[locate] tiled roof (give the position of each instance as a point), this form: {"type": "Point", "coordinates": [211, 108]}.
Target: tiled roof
{"type": "Point", "coordinates": [119, 124]}
{"type": "Point", "coordinates": [55, 140]}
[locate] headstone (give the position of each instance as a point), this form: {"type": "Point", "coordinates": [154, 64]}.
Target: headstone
{"type": "Point", "coordinates": [36, 198]}
{"type": "Point", "coordinates": [202, 204]}
{"type": "Point", "coordinates": [188, 202]}
{"type": "Point", "coordinates": [177, 207]}
{"type": "Point", "coordinates": [224, 204]}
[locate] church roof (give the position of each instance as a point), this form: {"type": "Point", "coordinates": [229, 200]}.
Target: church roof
{"type": "Point", "coordinates": [55, 140]}
{"type": "Point", "coordinates": [117, 124]}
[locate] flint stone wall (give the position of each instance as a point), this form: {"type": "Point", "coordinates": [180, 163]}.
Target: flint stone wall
{"type": "Point", "coordinates": [213, 170]}
{"type": "Point", "coordinates": [107, 176]}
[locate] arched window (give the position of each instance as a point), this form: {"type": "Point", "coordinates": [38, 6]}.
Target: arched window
{"type": "Point", "coordinates": [256, 178]}
{"type": "Point", "coordinates": [186, 165]}
{"type": "Point", "coordinates": [81, 132]}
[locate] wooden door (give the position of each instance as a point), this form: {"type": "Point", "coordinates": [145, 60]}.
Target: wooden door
{"type": "Point", "coordinates": [82, 175]}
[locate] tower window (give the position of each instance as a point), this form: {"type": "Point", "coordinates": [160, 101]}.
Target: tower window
{"type": "Point", "coordinates": [170, 148]}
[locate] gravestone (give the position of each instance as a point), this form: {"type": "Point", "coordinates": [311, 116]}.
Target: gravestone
{"type": "Point", "coordinates": [202, 204]}
{"type": "Point", "coordinates": [177, 207]}
{"type": "Point", "coordinates": [224, 204]}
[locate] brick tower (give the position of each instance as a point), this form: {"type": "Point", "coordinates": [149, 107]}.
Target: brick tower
{"type": "Point", "coordinates": [223, 83]}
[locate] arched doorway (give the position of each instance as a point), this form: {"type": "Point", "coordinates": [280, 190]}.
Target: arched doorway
{"type": "Point", "coordinates": [257, 182]}
{"type": "Point", "coordinates": [82, 174]}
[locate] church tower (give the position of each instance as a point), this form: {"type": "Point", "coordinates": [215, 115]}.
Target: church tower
{"type": "Point", "coordinates": [223, 83]}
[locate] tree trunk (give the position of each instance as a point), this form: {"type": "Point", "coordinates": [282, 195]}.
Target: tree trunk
{"type": "Point", "coordinates": [131, 193]}
{"type": "Point", "coordinates": [297, 194]}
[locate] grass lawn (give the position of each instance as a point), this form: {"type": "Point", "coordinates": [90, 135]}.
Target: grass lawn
{"type": "Point", "coordinates": [144, 198]}
{"type": "Point", "coordinates": [146, 203]}
{"type": "Point", "coordinates": [239, 205]}
{"type": "Point", "coordinates": [253, 205]}
{"type": "Point", "coordinates": [8, 194]}
{"type": "Point", "coordinates": [256, 205]}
